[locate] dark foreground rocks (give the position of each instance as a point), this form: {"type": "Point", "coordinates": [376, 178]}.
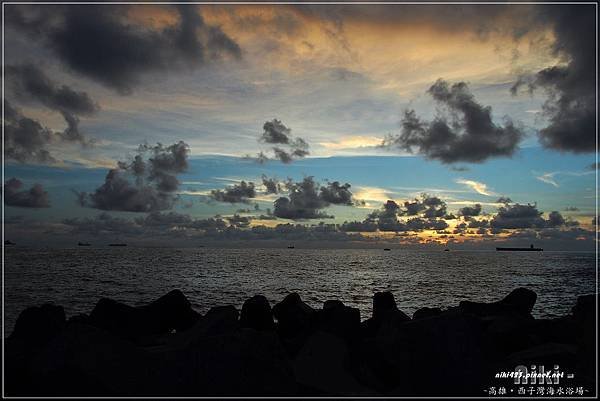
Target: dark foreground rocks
{"type": "Point", "coordinates": [166, 349]}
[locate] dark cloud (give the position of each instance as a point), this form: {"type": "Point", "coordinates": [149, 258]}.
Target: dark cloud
{"type": "Point", "coordinates": [420, 224]}
{"type": "Point", "coordinates": [468, 211]}
{"type": "Point", "coordinates": [571, 88]}
{"type": "Point", "coordinates": [555, 219]}
{"type": "Point", "coordinates": [153, 224]}
{"type": "Point", "coordinates": [100, 42]}
{"type": "Point", "coordinates": [34, 197]}
{"type": "Point", "coordinates": [426, 214]}
{"type": "Point", "coordinates": [238, 193]}
{"type": "Point", "coordinates": [28, 82]}
{"type": "Point", "coordinates": [271, 184]}
{"type": "Point", "coordinates": [104, 223]}
{"type": "Point", "coordinates": [519, 216]}
{"type": "Point", "coordinates": [504, 199]}
{"type": "Point", "coordinates": [336, 193]}
{"type": "Point", "coordinates": [25, 139]}
{"type": "Point", "coordinates": [303, 201]}
{"type": "Point", "coordinates": [478, 223]}
{"type": "Point", "coordinates": [276, 133]}
{"type": "Point", "coordinates": [239, 221]}
{"type": "Point", "coordinates": [306, 199]}
{"type": "Point", "coordinates": [468, 134]}
{"type": "Point", "coordinates": [358, 226]}
{"type": "Point", "coordinates": [154, 181]}
{"type": "Point", "coordinates": [428, 206]}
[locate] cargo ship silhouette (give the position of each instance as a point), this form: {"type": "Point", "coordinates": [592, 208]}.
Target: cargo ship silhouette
{"type": "Point", "coordinates": [531, 248]}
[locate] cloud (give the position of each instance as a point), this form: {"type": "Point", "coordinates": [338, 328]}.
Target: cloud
{"type": "Point", "coordinates": [504, 199]}
{"type": "Point", "coordinates": [571, 87]}
{"type": "Point", "coordinates": [468, 134]}
{"type": "Point", "coordinates": [271, 184]}
{"type": "Point", "coordinates": [337, 194]}
{"type": "Point", "coordinates": [104, 223]}
{"type": "Point", "coordinates": [548, 178]}
{"type": "Point", "coordinates": [237, 193]}
{"type": "Point", "coordinates": [34, 197]}
{"type": "Point", "coordinates": [154, 181]}
{"type": "Point", "coordinates": [478, 223]}
{"type": "Point", "coordinates": [476, 186]}
{"type": "Point", "coordinates": [428, 206]}
{"type": "Point", "coordinates": [519, 216]}
{"type": "Point", "coordinates": [555, 219]}
{"type": "Point", "coordinates": [103, 44]}
{"type": "Point", "coordinates": [28, 82]}
{"type": "Point", "coordinates": [27, 140]}
{"type": "Point", "coordinates": [428, 213]}
{"type": "Point", "coordinates": [306, 199]}
{"type": "Point", "coordinates": [276, 133]}
{"type": "Point", "coordinates": [469, 211]}
{"type": "Point", "coordinates": [239, 221]}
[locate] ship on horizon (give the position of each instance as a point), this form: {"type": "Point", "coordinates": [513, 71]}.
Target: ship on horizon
{"type": "Point", "coordinates": [531, 248]}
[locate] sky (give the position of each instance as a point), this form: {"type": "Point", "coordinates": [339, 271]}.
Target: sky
{"type": "Point", "coordinates": [411, 125]}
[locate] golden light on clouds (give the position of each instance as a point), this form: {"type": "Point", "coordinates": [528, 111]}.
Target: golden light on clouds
{"type": "Point", "coordinates": [352, 141]}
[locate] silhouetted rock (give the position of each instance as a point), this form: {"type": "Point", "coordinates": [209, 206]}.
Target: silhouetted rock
{"type": "Point", "coordinates": [256, 314]}
{"type": "Point", "coordinates": [383, 303]}
{"type": "Point", "coordinates": [385, 313]}
{"type": "Point", "coordinates": [293, 315]}
{"type": "Point", "coordinates": [548, 354]}
{"type": "Point", "coordinates": [219, 320]}
{"type": "Point", "coordinates": [81, 318]}
{"type": "Point", "coordinates": [243, 362]}
{"type": "Point", "coordinates": [321, 367]}
{"type": "Point", "coordinates": [85, 360]}
{"type": "Point", "coordinates": [39, 325]}
{"type": "Point", "coordinates": [584, 316]}
{"type": "Point", "coordinates": [170, 312]}
{"type": "Point", "coordinates": [585, 308]}
{"type": "Point", "coordinates": [166, 349]}
{"type": "Point", "coordinates": [519, 301]}
{"type": "Point", "coordinates": [442, 354]}
{"type": "Point", "coordinates": [426, 312]}
{"type": "Point", "coordinates": [339, 319]}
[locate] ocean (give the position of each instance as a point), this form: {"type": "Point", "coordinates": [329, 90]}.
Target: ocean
{"type": "Point", "coordinates": [77, 278]}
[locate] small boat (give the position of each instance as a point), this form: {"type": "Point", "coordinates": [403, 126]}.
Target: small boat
{"type": "Point", "coordinates": [9, 242]}
{"type": "Point", "coordinates": [530, 249]}
{"type": "Point", "coordinates": [117, 244]}
{"type": "Point", "coordinates": [446, 250]}
{"type": "Point", "coordinates": [83, 244]}
{"type": "Point", "coordinates": [291, 247]}
{"type": "Point", "coordinates": [386, 249]}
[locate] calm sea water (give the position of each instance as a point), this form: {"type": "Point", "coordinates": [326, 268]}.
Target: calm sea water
{"type": "Point", "coordinates": [77, 278]}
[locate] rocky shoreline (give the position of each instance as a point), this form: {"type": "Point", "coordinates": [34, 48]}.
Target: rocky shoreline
{"type": "Point", "coordinates": [167, 349]}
